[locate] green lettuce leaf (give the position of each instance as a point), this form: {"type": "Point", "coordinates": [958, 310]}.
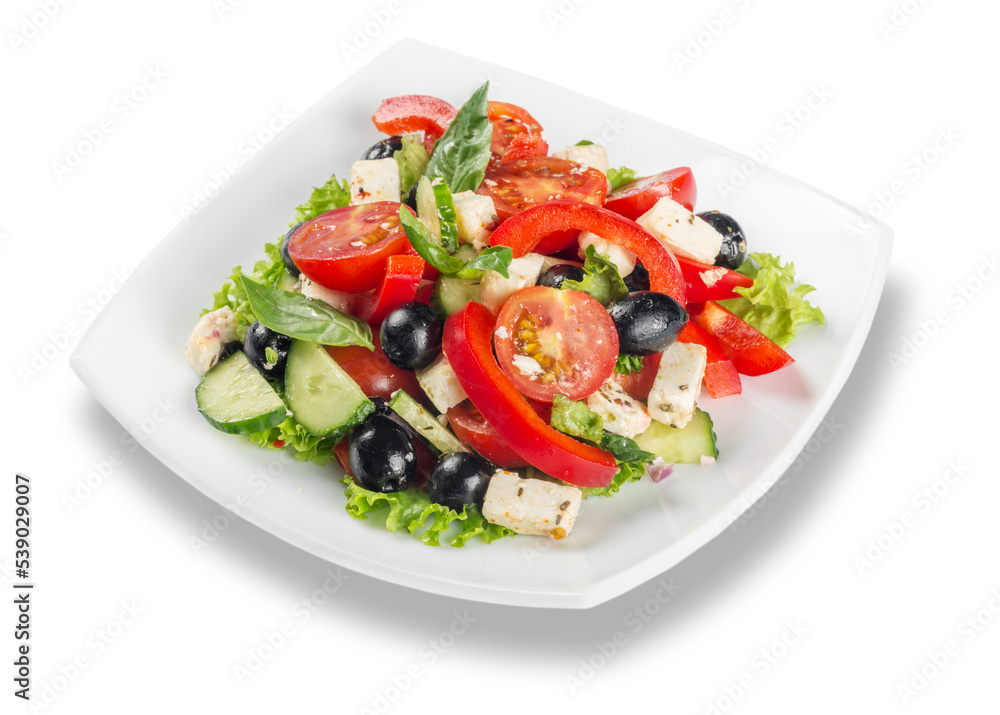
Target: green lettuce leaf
{"type": "Point", "coordinates": [620, 176]}
{"type": "Point", "coordinates": [576, 419]}
{"type": "Point", "coordinates": [601, 279]}
{"type": "Point", "coordinates": [774, 304]}
{"type": "Point", "coordinates": [333, 194]}
{"type": "Point", "coordinates": [302, 444]}
{"type": "Point", "coordinates": [627, 472]}
{"type": "Point", "coordinates": [412, 160]}
{"type": "Point", "coordinates": [627, 364]}
{"type": "Point", "coordinates": [411, 509]}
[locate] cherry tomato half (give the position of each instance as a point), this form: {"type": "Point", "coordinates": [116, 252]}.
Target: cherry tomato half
{"type": "Point", "coordinates": [509, 122]}
{"type": "Point", "coordinates": [638, 384]}
{"type": "Point", "coordinates": [346, 249]}
{"type": "Point", "coordinates": [375, 375]}
{"type": "Point", "coordinates": [552, 341]}
{"type": "Point", "coordinates": [520, 184]}
{"type": "Point", "coordinates": [471, 427]}
{"type": "Point", "coordinates": [636, 198]}
{"type": "Point", "coordinates": [414, 113]}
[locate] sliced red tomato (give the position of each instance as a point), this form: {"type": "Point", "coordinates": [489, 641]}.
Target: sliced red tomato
{"type": "Point", "coordinates": [346, 249]}
{"type": "Point", "coordinates": [524, 231]}
{"type": "Point", "coordinates": [510, 122]}
{"type": "Point", "coordinates": [471, 427]}
{"type": "Point", "coordinates": [750, 350]}
{"type": "Point", "coordinates": [468, 346]}
{"type": "Point", "coordinates": [526, 145]}
{"type": "Point", "coordinates": [375, 375]}
{"type": "Point", "coordinates": [705, 282]}
{"type": "Point", "coordinates": [340, 451]}
{"type": "Point", "coordinates": [424, 293]}
{"type": "Point", "coordinates": [414, 113]}
{"type": "Point", "coordinates": [520, 184]}
{"type": "Point", "coordinates": [721, 376]}
{"type": "Point", "coordinates": [636, 198]}
{"type": "Point", "coordinates": [399, 285]}
{"type": "Point", "coordinates": [551, 341]}
{"type": "Point", "coordinates": [638, 384]}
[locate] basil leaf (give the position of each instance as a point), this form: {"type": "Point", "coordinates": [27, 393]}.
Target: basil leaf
{"type": "Point", "coordinates": [584, 142]}
{"type": "Point", "coordinates": [461, 154]}
{"type": "Point", "coordinates": [423, 242]}
{"type": "Point", "coordinates": [576, 419]}
{"type": "Point", "coordinates": [627, 364]}
{"type": "Point", "coordinates": [601, 279]}
{"type": "Point", "coordinates": [624, 449]}
{"type": "Point", "coordinates": [297, 316]}
{"type": "Point", "coordinates": [495, 258]}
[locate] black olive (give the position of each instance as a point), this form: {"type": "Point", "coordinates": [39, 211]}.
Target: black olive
{"type": "Point", "coordinates": [381, 406]}
{"type": "Point", "coordinates": [560, 272]}
{"type": "Point", "coordinates": [267, 350]}
{"type": "Point", "coordinates": [734, 241]}
{"type": "Point", "coordinates": [459, 479]}
{"type": "Point", "coordinates": [381, 455]}
{"type": "Point", "coordinates": [638, 279]}
{"type": "Point", "coordinates": [411, 197]}
{"type": "Point", "coordinates": [229, 348]}
{"type": "Point", "coordinates": [285, 257]}
{"type": "Point", "coordinates": [411, 336]}
{"type": "Point", "coordinates": [383, 149]}
{"type": "Point", "coordinates": [647, 322]}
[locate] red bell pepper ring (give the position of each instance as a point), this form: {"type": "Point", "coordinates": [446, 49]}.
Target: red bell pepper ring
{"type": "Point", "coordinates": [721, 376]}
{"type": "Point", "coordinates": [705, 282]}
{"type": "Point", "coordinates": [414, 113]}
{"type": "Point", "coordinates": [523, 231]}
{"type": "Point", "coordinates": [750, 350]}
{"type": "Point", "coordinates": [469, 348]}
{"type": "Point", "coordinates": [399, 285]}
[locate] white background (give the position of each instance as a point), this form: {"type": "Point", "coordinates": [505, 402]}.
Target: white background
{"type": "Point", "coordinates": [899, 76]}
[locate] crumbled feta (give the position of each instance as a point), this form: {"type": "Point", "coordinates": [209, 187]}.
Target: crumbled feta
{"type": "Point", "coordinates": [622, 413]}
{"type": "Point", "coordinates": [334, 298]}
{"type": "Point", "coordinates": [440, 383]}
{"type": "Point", "coordinates": [686, 234]}
{"type": "Point", "coordinates": [531, 506]}
{"type": "Point", "coordinates": [494, 289]}
{"type": "Point", "coordinates": [210, 335]}
{"type": "Point", "coordinates": [590, 155]}
{"type": "Point", "coordinates": [502, 333]}
{"type": "Point", "coordinates": [374, 180]}
{"type": "Point", "coordinates": [623, 258]}
{"type": "Point", "coordinates": [677, 384]}
{"type": "Point", "coordinates": [526, 364]}
{"type": "Point", "coordinates": [475, 215]}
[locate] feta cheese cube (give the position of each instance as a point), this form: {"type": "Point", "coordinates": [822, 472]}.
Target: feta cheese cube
{"type": "Point", "coordinates": [592, 155]}
{"type": "Point", "coordinates": [531, 506]}
{"type": "Point", "coordinates": [211, 333]}
{"type": "Point", "coordinates": [475, 215]}
{"type": "Point", "coordinates": [440, 383]}
{"type": "Point", "coordinates": [494, 289]}
{"type": "Point", "coordinates": [686, 234]}
{"type": "Point", "coordinates": [678, 384]}
{"type": "Point", "coordinates": [334, 298]}
{"type": "Point", "coordinates": [374, 180]}
{"type": "Point", "coordinates": [622, 413]}
{"type": "Point", "coordinates": [623, 258]}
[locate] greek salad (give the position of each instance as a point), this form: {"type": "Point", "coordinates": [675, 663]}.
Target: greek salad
{"type": "Point", "coordinates": [483, 333]}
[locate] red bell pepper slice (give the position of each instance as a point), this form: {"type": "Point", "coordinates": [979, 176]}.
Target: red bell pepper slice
{"type": "Point", "coordinates": [414, 113]}
{"type": "Point", "coordinates": [523, 231]}
{"type": "Point", "coordinates": [399, 285]}
{"type": "Point", "coordinates": [750, 350]}
{"type": "Point", "coordinates": [705, 282]}
{"type": "Point", "coordinates": [469, 348]}
{"type": "Point", "coordinates": [721, 375]}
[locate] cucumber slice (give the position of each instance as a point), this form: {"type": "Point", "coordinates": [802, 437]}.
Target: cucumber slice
{"type": "Point", "coordinates": [466, 252]}
{"type": "Point", "coordinates": [323, 398]}
{"type": "Point", "coordinates": [423, 424]}
{"type": "Point", "coordinates": [235, 398]}
{"type": "Point", "coordinates": [286, 281]}
{"type": "Point", "coordinates": [436, 209]}
{"type": "Point", "coordinates": [686, 445]}
{"type": "Point", "coordinates": [450, 295]}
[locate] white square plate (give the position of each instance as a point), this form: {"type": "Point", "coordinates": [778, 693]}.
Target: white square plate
{"type": "Point", "coordinates": [133, 355]}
